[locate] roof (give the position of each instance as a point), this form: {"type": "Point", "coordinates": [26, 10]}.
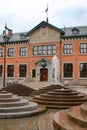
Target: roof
{"type": "Point", "coordinates": [66, 32]}
{"type": "Point", "coordinates": [16, 37]}
{"type": "Point", "coordinates": [82, 31]}
{"type": "Point", "coordinates": [43, 23]}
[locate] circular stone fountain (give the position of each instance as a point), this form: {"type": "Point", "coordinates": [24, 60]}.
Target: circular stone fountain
{"type": "Point", "coordinates": [13, 106]}
{"type": "Point", "coordinates": [75, 118]}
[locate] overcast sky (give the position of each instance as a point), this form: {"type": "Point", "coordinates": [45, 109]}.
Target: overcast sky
{"type": "Point", "coordinates": [23, 15]}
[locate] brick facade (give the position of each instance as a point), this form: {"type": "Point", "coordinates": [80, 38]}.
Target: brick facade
{"type": "Point", "coordinates": [40, 46]}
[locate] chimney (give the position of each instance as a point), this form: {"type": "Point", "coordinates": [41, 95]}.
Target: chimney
{"type": "Point", "coordinates": [9, 33]}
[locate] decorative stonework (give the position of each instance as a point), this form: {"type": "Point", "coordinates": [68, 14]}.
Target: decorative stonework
{"type": "Point", "coordinates": [44, 34]}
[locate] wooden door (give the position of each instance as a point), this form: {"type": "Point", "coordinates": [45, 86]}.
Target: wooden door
{"type": "Point", "coordinates": [44, 74]}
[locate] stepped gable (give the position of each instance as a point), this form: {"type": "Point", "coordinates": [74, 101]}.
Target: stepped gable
{"type": "Point", "coordinates": [19, 89]}
{"type": "Point", "coordinates": [57, 96]}
{"type": "Point", "coordinates": [13, 106]}
{"type": "Point", "coordinates": [75, 118]}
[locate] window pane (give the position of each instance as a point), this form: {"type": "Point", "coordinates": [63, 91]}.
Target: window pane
{"type": "Point", "coordinates": [68, 49]}
{"type": "Point", "coordinates": [10, 71]}
{"type": "Point", "coordinates": [83, 48]}
{"type": "Point", "coordinates": [35, 50]}
{"type": "Point", "coordinates": [1, 52]}
{"type": "Point", "coordinates": [68, 70]}
{"type": "Point", "coordinates": [11, 52]}
{"type": "Point", "coordinates": [83, 70]}
{"type": "Point", "coordinates": [1, 67]}
{"type": "Point", "coordinates": [22, 70]}
{"type": "Point", "coordinates": [39, 50]}
{"type": "Point", "coordinates": [49, 47]}
{"type": "Point", "coordinates": [33, 73]}
{"type": "Point", "coordinates": [23, 51]}
{"type": "Point", "coordinates": [44, 50]}
{"type": "Point", "coordinates": [54, 49]}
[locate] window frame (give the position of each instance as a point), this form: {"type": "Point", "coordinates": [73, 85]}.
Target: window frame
{"type": "Point", "coordinates": [33, 73]}
{"type": "Point", "coordinates": [68, 49]}
{"type": "Point", "coordinates": [10, 71]}
{"type": "Point", "coordinates": [83, 49]}
{"type": "Point", "coordinates": [1, 70]}
{"type": "Point", "coordinates": [67, 72]}
{"type": "Point", "coordinates": [22, 72]}
{"type": "Point", "coordinates": [23, 51]}
{"type": "Point", "coordinates": [11, 52]}
{"type": "Point", "coordinates": [40, 50]}
{"type": "Point", "coordinates": [84, 70]}
{"type": "Point", "coordinates": [1, 52]}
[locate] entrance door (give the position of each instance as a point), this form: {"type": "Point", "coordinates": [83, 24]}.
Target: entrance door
{"type": "Point", "coordinates": [43, 74]}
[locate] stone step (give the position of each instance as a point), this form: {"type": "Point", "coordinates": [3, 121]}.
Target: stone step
{"type": "Point", "coordinates": [60, 99]}
{"type": "Point", "coordinates": [64, 90]}
{"type": "Point", "coordinates": [75, 115]}
{"type": "Point", "coordinates": [12, 99]}
{"type": "Point", "coordinates": [62, 93]}
{"type": "Point", "coordinates": [58, 103]}
{"type": "Point", "coordinates": [29, 107]}
{"type": "Point", "coordinates": [83, 108]}
{"type": "Point", "coordinates": [62, 96]}
{"type": "Point", "coordinates": [6, 95]}
{"type": "Point", "coordinates": [38, 110]}
{"type": "Point", "coordinates": [14, 104]}
{"type": "Point", "coordinates": [61, 122]}
{"type": "Point", "coordinates": [58, 106]}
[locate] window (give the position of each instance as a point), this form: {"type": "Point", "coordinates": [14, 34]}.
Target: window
{"type": "Point", "coordinates": [83, 70]}
{"type": "Point", "coordinates": [68, 70]}
{"type": "Point", "coordinates": [23, 51]}
{"type": "Point", "coordinates": [33, 73]}
{"type": "Point", "coordinates": [10, 71]}
{"type": "Point", "coordinates": [75, 31]}
{"type": "Point", "coordinates": [83, 47]}
{"type": "Point", "coordinates": [23, 35]}
{"type": "Point", "coordinates": [68, 49]}
{"type": "Point", "coordinates": [39, 50]}
{"type": "Point", "coordinates": [1, 52]}
{"type": "Point", "coordinates": [11, 52]}
{"type": "Point", "coordinates": [49, 48]}
{"type": "Point", "coordinates": [44, 50]}
{"type": "Point", "coordinates": [22, 70]}
{"type": "Point", "coordinates": [35, 52]}
{"type": "Point", "coordinates": [1, 67]}
{"type": "Point", "coordinates": [53, 49]}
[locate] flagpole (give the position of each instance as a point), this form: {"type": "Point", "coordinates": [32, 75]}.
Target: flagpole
{"type": "Point", "coordinates": [46, 11]}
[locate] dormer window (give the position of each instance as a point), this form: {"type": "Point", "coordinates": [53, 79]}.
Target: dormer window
{"type": "Point", "coordinates": [75, 31]}
{"type": "Point", "coordinates": [23, 36]}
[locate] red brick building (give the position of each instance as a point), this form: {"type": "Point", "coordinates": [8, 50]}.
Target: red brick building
{"type": "Point", "coordinates": [29, 54]}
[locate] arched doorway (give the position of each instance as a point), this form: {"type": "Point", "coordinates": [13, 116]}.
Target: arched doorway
{"type": "Point", "coordinates": [44, 74]}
